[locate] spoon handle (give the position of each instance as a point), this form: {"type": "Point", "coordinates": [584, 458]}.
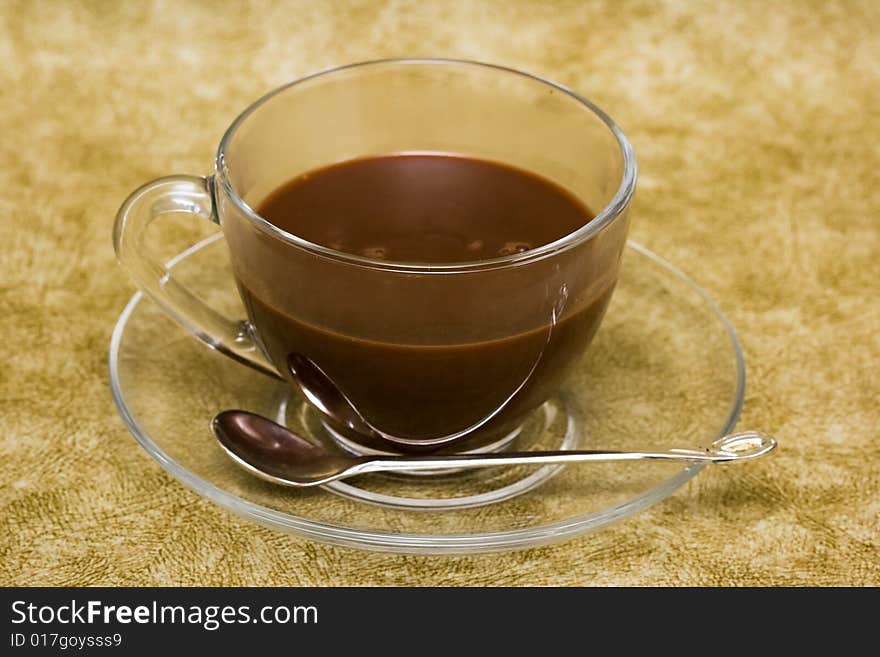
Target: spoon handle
{"type": "Point", "coordinates": [733, 447]}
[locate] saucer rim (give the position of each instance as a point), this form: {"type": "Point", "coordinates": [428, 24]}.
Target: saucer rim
{"type": "Point", "coordinates": [328, 533]}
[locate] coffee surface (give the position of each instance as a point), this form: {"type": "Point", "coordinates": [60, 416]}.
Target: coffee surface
{"type": "Point", "coordinates": [429, 208]}
{"type": "Point", "coordinates": [425, 208]}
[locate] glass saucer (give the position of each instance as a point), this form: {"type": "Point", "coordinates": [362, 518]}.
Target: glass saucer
{"type": "Point", "coordinates": [665, 369]}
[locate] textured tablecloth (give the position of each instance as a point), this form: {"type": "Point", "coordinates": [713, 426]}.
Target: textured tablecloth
{"type": "Point", "coordinates": [756, 126]}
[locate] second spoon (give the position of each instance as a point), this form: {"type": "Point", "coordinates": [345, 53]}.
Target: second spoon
{"type": "Point", "coordinates": [273, 452]}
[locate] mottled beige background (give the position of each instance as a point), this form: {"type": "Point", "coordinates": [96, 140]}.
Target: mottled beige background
{"type": "Point", "coordinates": [756, 125]}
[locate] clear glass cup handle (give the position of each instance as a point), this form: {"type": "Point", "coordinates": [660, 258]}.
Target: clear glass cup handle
{"type": "Point", "coordinates": [191, 195]}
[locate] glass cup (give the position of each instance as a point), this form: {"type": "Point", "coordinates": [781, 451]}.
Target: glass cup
{"type": "Point", "coordinates": [433, 356]}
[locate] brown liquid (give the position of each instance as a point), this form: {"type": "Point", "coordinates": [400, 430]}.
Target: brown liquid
{"type": "Point", "coordinates": [425, 208]}
{"type": "Point", "coordinates": [429, 208]}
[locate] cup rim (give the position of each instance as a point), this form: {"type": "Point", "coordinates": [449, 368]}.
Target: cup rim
{"type": "Point", "coordinates": [611, 211]}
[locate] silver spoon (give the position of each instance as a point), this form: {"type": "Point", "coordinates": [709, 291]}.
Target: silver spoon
{"type": "Point", "coordinates": [324, 395]}
{"type": "Point", "coordinates": [276, 454]}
